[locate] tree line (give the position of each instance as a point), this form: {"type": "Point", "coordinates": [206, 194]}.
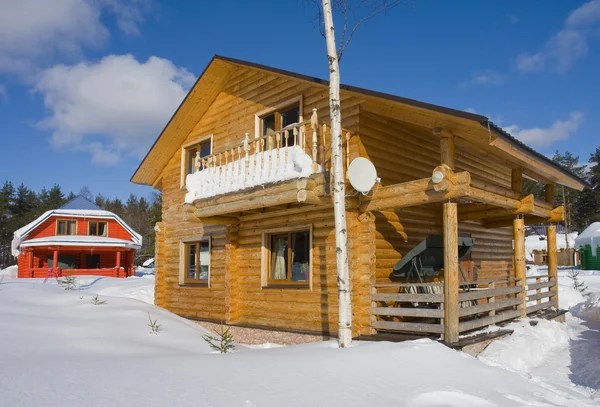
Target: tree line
{"type": "Point", "coordinates": [20, 205]}
{"type": "Point", "coordinates": [581, 208]}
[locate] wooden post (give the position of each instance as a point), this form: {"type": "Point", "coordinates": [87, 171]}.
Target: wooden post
{"type": "Point", "coordinates": [118, 263]}
{"type": "Point", "coordinates": [516, 180]}
{"type": "Point", "coordinates": [520, 268]}
{"type": "Point", "coordinates": [446, 147]}
{"type": "Point", "coordinates": [550, 193]}
{"type": "Point", "coordinates": [552, 261]}
{"type": "Point", "coordinates": [55, 260]}
{"type": "Point", "coordinates": [450, 232]}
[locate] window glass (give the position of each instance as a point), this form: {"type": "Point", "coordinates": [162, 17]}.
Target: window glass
{"type": "Point", "coordinates": [300, 256]}
{"type": "Point", "coordinates": [190, 155]}
{"type": "Point", "coordinates": [204, 261]}
{"type": "Point", "coordinates": [268, 125]}
{"type": "Point", "coordinates": [290, 116]}
{"type": "Point", "coordinates": [66, 227]}
{"type": "Point", "coordinates": [191, 261]}
{"type": "Point", "coordinates": [97, 228]}
{"type": "Point", "coordinates": [279, 257]}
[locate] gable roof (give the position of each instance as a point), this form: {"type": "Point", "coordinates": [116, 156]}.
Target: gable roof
{"type": "Point", "coordinates": [81, 202]}
{"type": "Point", "coordinates": [210, 83]}
{"type": "Point", "coordinates": [21, 234]}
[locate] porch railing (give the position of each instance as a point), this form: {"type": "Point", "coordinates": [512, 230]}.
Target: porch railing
{"type": "Point", "coordinates": [419, 307]}
{"type": "Point", "coordinates": [297, 151]}
{"type": "Point", "coordinates": [540, 293]}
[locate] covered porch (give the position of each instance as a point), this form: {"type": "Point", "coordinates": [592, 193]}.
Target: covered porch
{"type": "Point", "coordinates": [454, 303]}
{"type": "Point", "coordinates": [58, 260]}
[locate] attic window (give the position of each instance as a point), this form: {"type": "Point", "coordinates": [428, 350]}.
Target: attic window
{"type": "Point", "coordinates": [279, 119]}
{"type": "Point", "coordinates": [188, 156]}
{"type": "Point", "coordinates": [97, 228]}
{"type": "Point", "coordinates": [66, 227]}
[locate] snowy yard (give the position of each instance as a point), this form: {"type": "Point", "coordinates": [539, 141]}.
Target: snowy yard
{"type": "Point", "coordinates": [59, 349]}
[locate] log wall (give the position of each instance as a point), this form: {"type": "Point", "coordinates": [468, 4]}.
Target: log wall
{"type": "Point", "coordinates": [235, 294]}
{"type": "Point", "coordinates": [376, 241]}
{"type": "Point", "coordinates": [401, 153]}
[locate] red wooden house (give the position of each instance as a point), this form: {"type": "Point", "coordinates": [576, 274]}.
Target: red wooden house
{"type": "Point", "coordinates": [79, 238]}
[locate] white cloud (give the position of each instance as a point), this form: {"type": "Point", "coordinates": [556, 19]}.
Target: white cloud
{"type": "Point", "coordinates": [484, 78]}
{"type": "Point", "coordinates": [560, 53]}
{"type": "Point", "coordinates": [114, 107]}
{"type": "Point", "coordinates": [32, 32]}
{"type": "Point", "coordinates": [568, 46]}
{"type": "Point", "coordinates": [538, 137]}
{"type": "Point", "coordinates": [586, 15]}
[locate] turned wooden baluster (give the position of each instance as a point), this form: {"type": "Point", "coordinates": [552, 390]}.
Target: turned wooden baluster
{"type": "Point", "coordinates": [197, 161]}
{"type": "Point", "coordinates": [286, 135]}
{"type": "Point", "coordinates": [324, 145]}
{"type": "Point", "coordinates": [314, 124]}
{"type": "Point", "coordinates": [278, 139]}
{"type": "Point", "coordinates": [247, 146]}
{"type": "Point", "coordinates": [347, 150]}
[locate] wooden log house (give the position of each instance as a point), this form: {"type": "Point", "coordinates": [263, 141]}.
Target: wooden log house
{"type": "Point", "coordinates": [247, 232]}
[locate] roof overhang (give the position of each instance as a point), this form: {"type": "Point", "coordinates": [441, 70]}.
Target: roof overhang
{"type": "Point", "coordinates": [80, 241]}
{"type": "Point", "coordinates": [472, 127]}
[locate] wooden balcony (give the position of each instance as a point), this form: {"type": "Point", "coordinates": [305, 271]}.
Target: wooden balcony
{"type": "Point", "coordinates": [284, 167]}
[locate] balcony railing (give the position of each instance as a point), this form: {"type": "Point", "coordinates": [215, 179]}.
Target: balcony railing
{"type": "Point", "coordinates": [297, 151]}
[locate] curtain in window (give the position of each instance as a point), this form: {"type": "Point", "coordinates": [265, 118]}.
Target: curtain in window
{"type": "Point", "coordinates": [72, 228]}
{"type": "Point", "coordinates": [280, 263]}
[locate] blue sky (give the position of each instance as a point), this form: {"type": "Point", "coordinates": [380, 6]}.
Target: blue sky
{"type": "Point", "coordinates": [86, 86]}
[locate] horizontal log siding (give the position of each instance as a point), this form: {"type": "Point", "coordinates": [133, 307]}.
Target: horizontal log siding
{"type": "Point", "coordinates": [402, 154]}
{"type": "Point", "coordinates": [235, 294]}
{"type": "Point", "coordinates": [313, 309]}
{"type": "Point", "coordinates": [48, 228]}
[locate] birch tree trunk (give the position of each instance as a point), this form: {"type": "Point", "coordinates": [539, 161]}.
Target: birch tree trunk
{"type": "Point", "coordinates": [339, 189]}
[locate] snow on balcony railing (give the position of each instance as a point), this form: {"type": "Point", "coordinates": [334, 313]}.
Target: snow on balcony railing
{"type": "Point", "coordinates": [280, 156]}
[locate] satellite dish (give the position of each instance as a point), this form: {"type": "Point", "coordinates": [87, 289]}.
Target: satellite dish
{"type": "Point", "coordinates": [362, 175]}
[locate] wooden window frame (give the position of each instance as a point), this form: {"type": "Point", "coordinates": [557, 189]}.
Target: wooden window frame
{"type": "Point", "coordinates": [266, 254]}
{"type": "Point", "coordinates": [67, 228]}
{"type": "Point", "coordinates": [184, 159]}
{"type": "Point", "coordinates": [183, 279]}
{"type": "Point", "coordinates": [98, 221]}
{"type": "Point", "coordinates": [281, 106]}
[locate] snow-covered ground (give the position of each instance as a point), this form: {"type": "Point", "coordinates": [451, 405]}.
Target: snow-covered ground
{"type": "Point", "coordinates": [560, 356]}
{"type": "Point", "coordinates": [59, 349]}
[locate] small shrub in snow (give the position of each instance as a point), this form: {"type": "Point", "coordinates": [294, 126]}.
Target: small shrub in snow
{"type": "Point", "coordinates": [222, 342]}
{"type": "Point", "coordinates": [154, 325]}
{"type": "Point", "coordinates": [69, 282]}
{"type": "Point", "coordinates": [97, 301]}
{"type": "Point", "coordinates": [577, 284]}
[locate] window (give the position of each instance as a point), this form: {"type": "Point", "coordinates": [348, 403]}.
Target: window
{"type": "Point", "coordinates": [196, 262]}
{"type": "Point", "coordinates": [279, 119]}
{"type": "Point", "coordinates": [97, 228]}
{"type": "Point", "coordinates": [66, 227]}
{"type": "Point", "coordinates": [203, 147]}
{"type": "Point", "coordinates": [287, 258]}
{"type": "Point", "coordinates": [188, 156]}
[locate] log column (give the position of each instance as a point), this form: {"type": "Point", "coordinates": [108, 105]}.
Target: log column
{"type": "Point", "coordinates": [520, 267]}
{"type": "Point", "coordinates": [118, 265]}
{"type": "Point", "coordinates": [55, 261]}
{"type": "Point", "coordinates": [450, 231]}
{"type": "Point", "coordinates": [552, 261]}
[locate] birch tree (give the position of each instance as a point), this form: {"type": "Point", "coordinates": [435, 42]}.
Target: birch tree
{"type": "Point", "coordinates": [334, 55]}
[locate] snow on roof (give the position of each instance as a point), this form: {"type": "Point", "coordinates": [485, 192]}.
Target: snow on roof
{"type": "Point", "coordinates": [80, 202]}
{"type": "Point", "coordinates": [148, 262]}
{"type": "Point", "coordinates": [73, 240]}
{"type": "Point", "coordinates": [20, 235]}
{"type": "Point", "coordinates": [591, 236]}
